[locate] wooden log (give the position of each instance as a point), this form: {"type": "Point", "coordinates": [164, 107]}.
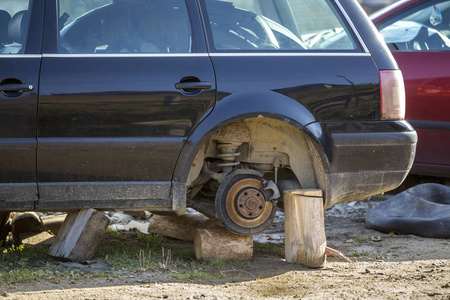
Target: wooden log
{"type": "Point", "coordinates": [218, 242]}
{"type": "Point", "coordinates": [53, 222]}
{"type": "Point", "coordinates": [179, 227]}
{"type": "Point", "coordinates": [25, 222]}
{"type": "Point", "coordinates": [5, 226]}
{"type": "Point", "coordinates": [80, 235]}
{"type": "Point", "coordinates": [305, 240]}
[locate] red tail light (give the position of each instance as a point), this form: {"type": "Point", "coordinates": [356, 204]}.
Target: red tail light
{"type": "Point", "coordinates": [392, 95]}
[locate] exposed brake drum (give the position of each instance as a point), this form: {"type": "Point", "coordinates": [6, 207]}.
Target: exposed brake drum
{"type": "Point", "coordinates": [243, 202]}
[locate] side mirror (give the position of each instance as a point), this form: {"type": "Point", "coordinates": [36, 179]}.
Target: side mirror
{"type": "Point", "coordinates": [436, 16]}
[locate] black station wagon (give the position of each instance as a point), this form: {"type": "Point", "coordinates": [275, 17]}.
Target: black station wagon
{"type": "Point", "coordinates": [219, 105]}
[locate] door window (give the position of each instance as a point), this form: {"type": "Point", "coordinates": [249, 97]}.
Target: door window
{"type": "Point", "coordinates": [124, 26]}
{"type": "Point", "coordinates": [280, 25]}
{"type": "Point", "coordinates": [14, 21]}
{"type": "Point", "coordinates": [422, 29]}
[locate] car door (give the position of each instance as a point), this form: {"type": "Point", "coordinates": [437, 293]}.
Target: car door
{"type": "Point", "coordinates": [420, 42]}
{"type": "Point", "coordinates": [123, 83]}
{"type": "Point", "coordinates": [20, 32]}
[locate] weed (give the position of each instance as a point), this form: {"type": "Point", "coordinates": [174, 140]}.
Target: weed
{"type": "Point", "coordinates": [194, 274]}
{"type": "Point", "coordinates": [361, 240]}
{"type": "Point", "coordinates": [144, 259]}
{"type": "Point", "coordinates": [391, 234]}
{"type": "Point", "coordinates": [359, 254]}
{"type": "Point", "coordinates": [166, 259]}
{"type": "Point", "coordinates": [217, 262]}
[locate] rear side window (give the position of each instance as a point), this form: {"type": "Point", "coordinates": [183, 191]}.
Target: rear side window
{"type": "Point", "coordinates": [276, 25]}
{"type": "Point", "coordinates": [123, 26]}
{"type": "Point", "coordinates": [14, 21]}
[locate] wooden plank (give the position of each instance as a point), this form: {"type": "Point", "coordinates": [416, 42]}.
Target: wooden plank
{"type": "Point", "coordinates": [218, 242]}
{"type": "Point", "coordinates": [305, 240]}
{"type": "Point", "coordinates": [80, 235]}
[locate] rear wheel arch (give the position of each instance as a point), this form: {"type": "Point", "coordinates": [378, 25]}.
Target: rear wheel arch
{"type": "Point", "coordinates": [281, 152]}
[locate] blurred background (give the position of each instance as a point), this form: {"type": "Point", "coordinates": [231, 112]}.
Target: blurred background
{"type": "Point", "coordinates": [371, 6]}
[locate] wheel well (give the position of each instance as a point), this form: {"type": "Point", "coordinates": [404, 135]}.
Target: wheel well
{"type": "Point", "coordinates": [279, 150]}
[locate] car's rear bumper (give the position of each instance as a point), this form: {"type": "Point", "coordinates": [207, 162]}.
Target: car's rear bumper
{"type": "Point", "coordinates": [364, 163]}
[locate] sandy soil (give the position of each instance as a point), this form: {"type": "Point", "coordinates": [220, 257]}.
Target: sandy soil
{"type": "Point", "coordinates": [385, 266]}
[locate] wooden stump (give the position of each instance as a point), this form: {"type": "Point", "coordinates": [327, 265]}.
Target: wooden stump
{"type": "Point", "coordinates": [305, 239]}
{"type": "Point", "coordinates": [80, 235]}
{"type": "Point", "coordinates": [25, 222]}
{"type": "Point", "coordinates": [218, 242]}
{"type": "Point", "coordinates": [179, 227]}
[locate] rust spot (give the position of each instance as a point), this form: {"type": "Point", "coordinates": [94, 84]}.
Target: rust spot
{"type": "Point", "coordinates": [274, 148]}
{"type": "Point", "coordinates": [193, 165]}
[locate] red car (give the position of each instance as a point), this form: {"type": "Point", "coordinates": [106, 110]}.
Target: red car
{"type": "Point", "coordinates": [418, 34]}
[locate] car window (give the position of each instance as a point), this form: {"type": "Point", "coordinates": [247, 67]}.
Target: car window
{"type": "Point", "coordinates": [278, 25]}
{"type": "Point", "coordinates": [423, 29]}
{"type": "Point", "coordinates": [123, 26]}
{"type": "Point", "coordinates": [14, 21]}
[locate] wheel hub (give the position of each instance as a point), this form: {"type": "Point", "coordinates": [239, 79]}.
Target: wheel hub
{"type": "Point", "coordinates": [245, 203]}
{"type": "Point", "coordinates": [250, 203]}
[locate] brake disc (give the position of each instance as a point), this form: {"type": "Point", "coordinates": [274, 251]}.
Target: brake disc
{"type": "Point", "coordinates": [241, 204]}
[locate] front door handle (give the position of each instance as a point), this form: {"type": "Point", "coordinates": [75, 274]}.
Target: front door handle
{"type": "Point", "coordinates": [198, 85]}
{"type": "Point", "coordinates": [16, 88]}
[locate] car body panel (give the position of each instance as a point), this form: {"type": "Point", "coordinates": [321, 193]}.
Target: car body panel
{"type": "Point", "coordinates": [115, 130]}
{"type": "Point", "coordinates": [122, 118]}
{"type": "Point", "coordinates": [18, 112]}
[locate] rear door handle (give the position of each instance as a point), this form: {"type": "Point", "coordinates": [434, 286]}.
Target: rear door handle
{"type": "Point", "coordinates": [16, 88]}
{"type": "Point", "coordinates": [200, 85]}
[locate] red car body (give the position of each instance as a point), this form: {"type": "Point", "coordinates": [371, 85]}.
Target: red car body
{"type": "Point", "coordinates": [426, 73]}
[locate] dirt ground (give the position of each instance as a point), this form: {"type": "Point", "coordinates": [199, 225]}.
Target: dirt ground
{"type": "Point", "coordinates": [385, 266]}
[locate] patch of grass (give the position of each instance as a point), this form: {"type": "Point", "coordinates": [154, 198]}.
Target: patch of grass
{"type": "Point", "coordinates": [238, 263]}
{"type": "Point", "coordinates": [361, 240]}
{"type": "Point", "coordinates": [183, 255]}
{"type": "Point", "coordinates": [270, 248]}
{"type": "Point", "coordinates": [194, 274]}
{"type": "Point", "coordinates": [18, 264]}
{"type": "Point", "coordinates": [140, 252]}
{"type": "Point", "coordinates": [359, 254]}
{"type": "Point", "coordinates": [217, 262]}
{"type": "Point", "coordinates": [391, 234]}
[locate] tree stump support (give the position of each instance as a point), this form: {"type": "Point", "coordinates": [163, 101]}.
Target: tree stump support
{"type": "Point", "coordinates": [305, 240]}
{"type": "Point", "coordinates": [80, 235]}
